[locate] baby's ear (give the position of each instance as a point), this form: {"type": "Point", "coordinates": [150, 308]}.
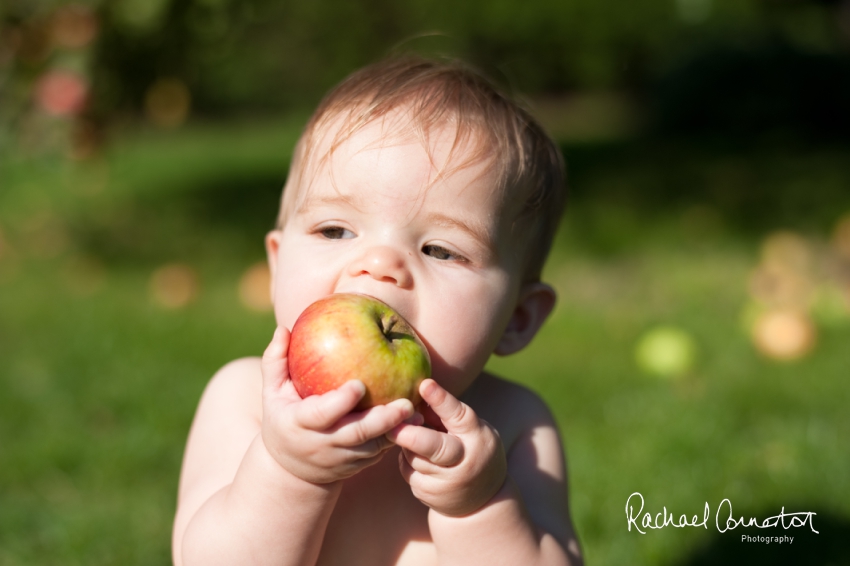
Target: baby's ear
{"type": "Point", "coordinates": [536, 301]}
{"type": "Point", "coordinates": [272, 245]}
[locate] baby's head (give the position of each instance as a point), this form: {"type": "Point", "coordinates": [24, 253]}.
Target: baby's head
{"type": "Point", "coordinates": [421, 96]}
{"type": "Point", "coordinates": [419, 183]}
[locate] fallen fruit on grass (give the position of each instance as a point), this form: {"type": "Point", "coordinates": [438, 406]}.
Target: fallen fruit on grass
{"type": "Point", "coordinates": [666, 351]}
{"type": "Point", "coordinates": [350, 336]}
{"type": "Point", "coordinates": [784, 335]}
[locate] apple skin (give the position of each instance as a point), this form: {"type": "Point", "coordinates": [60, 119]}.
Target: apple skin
{"type": "Point", "coordinates": [348, 336]}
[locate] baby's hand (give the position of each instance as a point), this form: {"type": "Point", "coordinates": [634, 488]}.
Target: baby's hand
{"type": "Point", "coordinates": [318, 438]}
{"type": "Point", "coordinates": [457, 472]}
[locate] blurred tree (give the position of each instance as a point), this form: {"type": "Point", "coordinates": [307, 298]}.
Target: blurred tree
{"type": "Point", "coordinates": [771, 90]}
{"type": "Point", "coordinates": [166, 58]}
{"type": "Point", "coordinates": [44, 75]}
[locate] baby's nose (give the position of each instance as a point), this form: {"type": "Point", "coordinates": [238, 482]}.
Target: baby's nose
{"type": "Point", "coordinates": [383, 263]}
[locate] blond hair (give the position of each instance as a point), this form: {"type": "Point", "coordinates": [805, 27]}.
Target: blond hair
{"type": "Point", "coordinates": [529, 164]}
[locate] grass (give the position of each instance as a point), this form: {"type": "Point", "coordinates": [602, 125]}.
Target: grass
{"type": "Point", "coordinates": [738, 426]}
{"type": "Point", "coordinates": [99, 383]}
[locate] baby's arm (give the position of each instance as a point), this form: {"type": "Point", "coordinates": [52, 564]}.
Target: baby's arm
{"type": "Point", "coordinates": [524, 519]}
{"type": "Point", "coordinates": [260, 481]}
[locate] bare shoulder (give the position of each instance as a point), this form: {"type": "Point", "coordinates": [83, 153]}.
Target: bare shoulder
{"type": "Point", "coordinates": [236, 388]}
{"type": "Point", "coordinates": [535, 453]}
{"type": "Point", "coordinates": [228, 418]}
{"type": "Point", "coordinates": [514, 410]}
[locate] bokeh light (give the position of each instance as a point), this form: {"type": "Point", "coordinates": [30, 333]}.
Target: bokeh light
{"type": "Point", "coordinates": [787, 295]}
{"type": "Point", "coordinates": [780, 286]}
{"type": "Point", "coordinates": [167, 103]}
{"type": "Point", "coordinates": [31, 42]}
{"type": "Point", "coordinates": [693, 11]}
{"type": "Point", "coordinates": [174, 285]}
{"type": "Point", "coordinates": [61, 93]}
{"type": "Point", "coordinates": [139, 15]}
{"type": "Point", "coordinates": [666, 351]}
{"type": "Point", "coordinates": [784, 335]}
{"type": "Point", "coordinates": [254, 288]}
{"type": "Point", "coordinates": [74, 26]}
{"type": "Point", "coordinates": [783, 277]}
{"type": "Point", "coordinates": [787, 249]}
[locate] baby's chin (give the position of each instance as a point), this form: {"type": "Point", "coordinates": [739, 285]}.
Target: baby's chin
{"type": "Point", "coordinates": [456, 376]}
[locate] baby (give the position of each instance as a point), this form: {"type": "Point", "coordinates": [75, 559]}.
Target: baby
{"type": "Point", "coordinates": [417, 183]}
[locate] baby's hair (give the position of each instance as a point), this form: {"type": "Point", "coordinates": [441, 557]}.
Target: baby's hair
{"type": "Point", "coordinates": [530, 168]}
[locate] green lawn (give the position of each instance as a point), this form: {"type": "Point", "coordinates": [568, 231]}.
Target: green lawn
{"type": "Point", "coordinates": [98, 382]}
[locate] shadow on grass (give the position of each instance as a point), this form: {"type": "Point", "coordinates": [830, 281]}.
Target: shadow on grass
{"type": "Point", "coordinates": [248, 203]}
{"type": "Point", "coordinates": [229, 215]}
{"type": "Point", "coordinates": [752, 186]}
{"type": "Point", "coordinates": [827, 547]}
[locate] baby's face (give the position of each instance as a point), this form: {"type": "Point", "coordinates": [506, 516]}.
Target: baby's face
{"type": "Point", "coordinates": [377, 221]}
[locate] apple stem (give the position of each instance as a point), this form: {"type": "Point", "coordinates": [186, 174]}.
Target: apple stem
{"type": "Point", "coordinates": [389, 324]}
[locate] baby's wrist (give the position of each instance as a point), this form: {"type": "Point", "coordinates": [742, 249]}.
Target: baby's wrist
{"type": "Point", "coordinates": [292, 471]}
{"type": "Point", "coordinates": [486, 500]}
{"type": "Point", "coordinates": [262, 487]}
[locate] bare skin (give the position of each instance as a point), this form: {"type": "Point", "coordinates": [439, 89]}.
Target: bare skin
{"type": "Point", "coordinates": [373, 517]}
{"type": "Point", "coordinates": [270, 478]}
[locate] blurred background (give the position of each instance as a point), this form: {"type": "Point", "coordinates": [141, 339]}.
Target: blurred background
{"type": "Point", "coordinates": [699, 350]}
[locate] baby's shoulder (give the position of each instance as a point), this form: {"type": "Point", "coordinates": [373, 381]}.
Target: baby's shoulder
{"type": "Point", "coordinates": [237, 387]}
{"type": "Point", "coordinates": [513, 409]}
{"type": "Point", "coordinates": [240, 370]}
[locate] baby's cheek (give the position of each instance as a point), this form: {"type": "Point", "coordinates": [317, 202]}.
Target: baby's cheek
{"type": "Point", "coordinates": [289, 305]}
{"type": "Point", "coordinates": [458, 355]}
{"type": "Point", "coordinates": [291, 297]}
{"type": "Point", "coordinates": [281, 316]}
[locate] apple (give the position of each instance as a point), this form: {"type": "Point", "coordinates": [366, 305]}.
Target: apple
{"type": "Point", "coordinates": [666, 351]}
{"type": "Point", "coordinates": [348, 336]}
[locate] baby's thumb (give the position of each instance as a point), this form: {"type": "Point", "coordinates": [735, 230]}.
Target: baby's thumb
{"type": "Point", "coordinates": [274, 365]}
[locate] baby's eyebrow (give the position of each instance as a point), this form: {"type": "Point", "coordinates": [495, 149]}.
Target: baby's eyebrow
{"type": "Point", "coordinates": [477, 231]}
{"type": "Point", "coordinates": [329, 200]}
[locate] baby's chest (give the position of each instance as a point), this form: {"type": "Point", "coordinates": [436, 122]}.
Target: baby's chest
{"type": "Point", "coordinates": [378, 522]}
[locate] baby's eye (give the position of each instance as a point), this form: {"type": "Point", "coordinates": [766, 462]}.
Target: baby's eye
{"type": "Point", "coordinates": [439, 252]}
{"type": "Point", "coordinates": [336, 233]}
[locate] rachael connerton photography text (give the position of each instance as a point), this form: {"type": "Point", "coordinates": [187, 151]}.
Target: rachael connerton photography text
{"type": "Point", "coordinates": [724, 519]}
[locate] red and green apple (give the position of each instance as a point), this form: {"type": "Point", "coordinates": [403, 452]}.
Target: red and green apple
{"type": "Point", "coordinates": [348, 336]}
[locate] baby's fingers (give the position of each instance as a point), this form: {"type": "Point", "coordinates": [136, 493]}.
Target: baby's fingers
{"type": "Point", "coordinates": [320, 412]}
{"type": "Point", "coordinates": [456, 416]}
{"type": "Point", "coordinates": [439, 448]}
{"type": "Point", "coordinates": [360, 428]}
{"type": "Point", "coordinates": [274, 366]}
